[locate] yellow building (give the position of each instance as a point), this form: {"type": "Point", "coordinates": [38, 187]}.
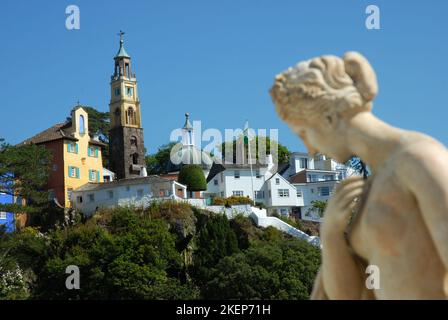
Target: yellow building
{"type": "Point", "coordinates": [76, 156]}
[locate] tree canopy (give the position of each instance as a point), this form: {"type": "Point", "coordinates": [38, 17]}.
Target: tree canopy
{"type": "Point", "coordinates": [193, 177]}
{"type": "Point", "coordinates": [24, 171]}
{"type": "Point", "coordinates": [167, 251]}
{"type": "Point", "coordinates": [157, 163]}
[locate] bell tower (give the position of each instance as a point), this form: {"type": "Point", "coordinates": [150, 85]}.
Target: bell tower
{"type": "Point", "coordinates": [126, 146]}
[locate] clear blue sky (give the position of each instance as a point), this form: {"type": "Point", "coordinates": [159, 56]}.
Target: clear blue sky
{"type": "Point", "coordinates": [215, 59]}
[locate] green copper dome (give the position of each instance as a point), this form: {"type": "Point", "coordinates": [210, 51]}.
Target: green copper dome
{"type": "Point", "coordinates": [122, 52]}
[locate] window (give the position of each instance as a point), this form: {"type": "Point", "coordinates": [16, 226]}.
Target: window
{"type": "Point", "coordinates": [55, 167]}
{"type": "Point", "coordinates": [72, 147]}
{"type": "Point", "coordinates": [91, 197]}
{"type": "Point", "coordinates": [134, 141]}
{"type": "Point", "coordinates": [82, 126]}
{"type": "Point", "coordinates": [215, 182]}
{"type": "Point", "coordinates": [284, 212]}
{"type": "Point", "coordinates": [236, 174]}
{"type": "Point", "coordinates": [304, 163]}
{"type": "Point", "coordinates": [328, 177]}
{"type": "Point", "coordinates": [257, 174]}
{"type": "Point", "coordinates": [93, 175]}
{"type": "Point", "coordinates": [222, 194]}
{"type": "Point", "coordinates": [79, 199]}
{"type": "Point", "coordinates": [299, 193]}
{"type": "Point", "coordinates": [73, 172]}
{"type": "Point", "coordinates": [259, 194]}
{"type": "Point", "coordinates": [117, 91]}
{"type": "Point", "coordinates": [135, 158]}
{"type": "Point", "coordinates": [110, 194]}
{"type": "Point", "coordinates": [131, 116]}
{"type": "Point", "coordinates": [2, 215]}
{"type": "Point", "coordinates": [312, 178]}
{"type": "Point", "coordinates": [277, 180]}
{"type": "Point", "coordinates": [238, 193]}
{"type": "Point", "coordinates": [93, 151]}
{"type": "Point", "coordinates": [126, 66]}
{"type": "Point", "coordinates": [283, 193]}
{"type": "Point", "coordinates": [129, 91]}
{"type": "Point", "coordinates": [323, 191]}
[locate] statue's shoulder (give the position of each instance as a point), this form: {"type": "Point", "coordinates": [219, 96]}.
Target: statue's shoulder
{"type": "Point", "coordinates": [421, 156]}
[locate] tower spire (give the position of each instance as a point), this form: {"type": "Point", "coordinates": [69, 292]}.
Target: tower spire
{"type": "Point", "coordinates": [122, 52]}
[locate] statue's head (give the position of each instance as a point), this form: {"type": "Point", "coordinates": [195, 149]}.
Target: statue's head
{"type": "Point", "coordinates": [318, 97]}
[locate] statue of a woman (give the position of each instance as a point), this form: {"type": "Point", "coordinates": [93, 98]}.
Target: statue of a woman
{"type": "Point", "coordinates": [395, 221]}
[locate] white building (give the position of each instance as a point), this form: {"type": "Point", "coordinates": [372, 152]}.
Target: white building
{"type": "Point", "coordinates": [272, 190]}
{"type": "Point", "coordinates": [314, 179]}
{"type": "Point", "coordinates": [138, 192]}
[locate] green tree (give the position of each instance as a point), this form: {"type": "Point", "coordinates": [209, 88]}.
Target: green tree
{"type": "Point", "coordinates": [282, 153]}
{"type": "Point", "coordinates": [193, 177]}
{"type": "Point", "coordinates": [24, 171]}
{"type": "Point", "coordinates": [318, 206]}
{"type": "Point", "coordinates": [158, 163]}
{"type": "Point", "coordinates": [216, 239]}
{"type": "Point", "coordinates": [275, 270]}
{"type": "Point", "coordinates": [124, 255]}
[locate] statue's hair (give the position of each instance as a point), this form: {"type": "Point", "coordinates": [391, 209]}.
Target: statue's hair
{"type": "Point", "coordinates": [315, 86]}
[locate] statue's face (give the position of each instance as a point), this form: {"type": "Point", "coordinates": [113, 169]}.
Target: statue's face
{"type": "Point", "coordinates": [323, 138]}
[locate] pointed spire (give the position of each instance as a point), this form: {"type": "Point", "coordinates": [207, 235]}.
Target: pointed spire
{"type": "Point", "coordinates": [122, 52]}
{"type": "Point", "coordinates": [187, 125]}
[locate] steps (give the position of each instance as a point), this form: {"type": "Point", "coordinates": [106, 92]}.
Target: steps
{"type": "Point", "coordinates": [262, 220]}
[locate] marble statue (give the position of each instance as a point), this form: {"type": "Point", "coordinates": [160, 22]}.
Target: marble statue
{"type": "Point", "coordinates": [397, 219]}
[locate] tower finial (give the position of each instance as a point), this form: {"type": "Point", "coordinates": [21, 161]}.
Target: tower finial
{"type": "Point", "coordinates": [121, 34]}
{"type": "Point", "coordinates": [187, 125]}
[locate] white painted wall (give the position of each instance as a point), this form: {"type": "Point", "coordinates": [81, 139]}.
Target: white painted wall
{"type": "Point", "coordinates": [139, 195]}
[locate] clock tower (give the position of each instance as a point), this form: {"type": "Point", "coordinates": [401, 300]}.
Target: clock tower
{"type": "Point", "coordinates": [126, 147]}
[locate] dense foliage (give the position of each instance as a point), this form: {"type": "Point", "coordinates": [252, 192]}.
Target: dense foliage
{"type": "Point", "coordinates": [24, 171]}
{"type": "Point", "coordinates": [158, 162]}
{"type": "Point", "coordinates": [193, 177]}
{"type": "Point", "coordinates": [167, 251]}
{"type": "Point", "coordinates": [231, 201]}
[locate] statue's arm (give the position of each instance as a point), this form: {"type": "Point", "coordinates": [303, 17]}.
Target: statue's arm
{"type": "Point", "coordinates": [340, 271]}
{"type": "Point", "coordinates": [318, 292]}
{"type": "Point", "coordinates": [426, 175]}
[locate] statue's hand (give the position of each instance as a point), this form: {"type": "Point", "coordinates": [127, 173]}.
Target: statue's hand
{"type": "Point", "coordinates": [339, 207]}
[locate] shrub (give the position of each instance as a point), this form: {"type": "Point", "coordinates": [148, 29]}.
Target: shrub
{"type": "Point", "coordinates": [231, 201]}
{"type": "Point", "coordinates": [193, 177]}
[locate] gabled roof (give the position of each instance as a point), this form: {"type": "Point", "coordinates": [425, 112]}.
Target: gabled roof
{"type": "Point", "coordinates": [56, 132]}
